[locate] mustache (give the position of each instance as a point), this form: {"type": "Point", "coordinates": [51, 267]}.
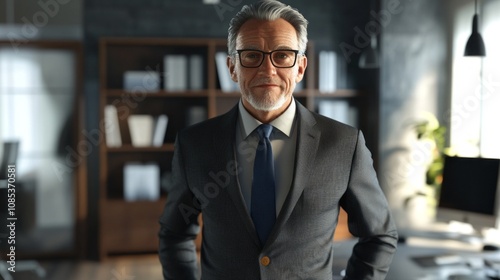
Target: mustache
{"type": "Point", "coordinates": [264, 81]}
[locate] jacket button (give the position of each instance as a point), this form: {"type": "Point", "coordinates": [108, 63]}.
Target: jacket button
{"type": "Point", "coordinates": [265, 261]}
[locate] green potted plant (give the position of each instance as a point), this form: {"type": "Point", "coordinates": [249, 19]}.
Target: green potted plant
{"type": "Point", "coordinates": [431, 131]}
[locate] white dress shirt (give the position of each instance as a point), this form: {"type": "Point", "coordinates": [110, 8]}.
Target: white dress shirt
{"type": "Point", "coordinates": [283, 140]}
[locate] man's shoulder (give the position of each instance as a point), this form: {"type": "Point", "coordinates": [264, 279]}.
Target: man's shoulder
{"type": "Point", "coordinates": [326, 124]}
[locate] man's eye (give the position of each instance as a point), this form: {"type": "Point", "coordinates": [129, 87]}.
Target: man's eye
{"type": "Point", "coordinates": [281, 55]}
{"type": "Point", "coordinates": [253, 55]}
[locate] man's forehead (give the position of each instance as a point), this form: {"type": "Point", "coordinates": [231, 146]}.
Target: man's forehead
{"type": "Point", "coordinates": [277, 32]}
{"type": "Point", "coordinates": [279, 24]}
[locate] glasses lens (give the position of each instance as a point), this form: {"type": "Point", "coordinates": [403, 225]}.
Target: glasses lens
{"type": "Point", "coordinates": [283, 58]}
{"type": "Point", "coordinates": [251, 58]}
{"type": "Point", "coordinates": [279, 58]}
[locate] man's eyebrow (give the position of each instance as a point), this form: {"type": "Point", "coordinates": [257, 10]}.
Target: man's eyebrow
{"type": "Point", "coordinates": [250, 47]}
{"type": "Point", "coordinates": [284, 47]}
{"type": "Point", "coordinates": [280, 47]}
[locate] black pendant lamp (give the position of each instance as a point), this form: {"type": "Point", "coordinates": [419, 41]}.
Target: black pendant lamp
{"type": "Point", "coordinates": [369, 58]}
{"type": "Point", "coordinates": [475, 44]}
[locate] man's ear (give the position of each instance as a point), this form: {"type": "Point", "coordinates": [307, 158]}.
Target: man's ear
{"type": "Point", "coordinates": [302, 63]}
{"type": "Point", "coordinates": [231, 66]}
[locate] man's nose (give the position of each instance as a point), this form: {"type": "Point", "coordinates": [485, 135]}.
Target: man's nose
{"type": "Point", "coordinates": [267, 65]}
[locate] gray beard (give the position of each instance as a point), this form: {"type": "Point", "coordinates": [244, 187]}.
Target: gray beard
{"type": "Point", "coordinates": [264, 105]}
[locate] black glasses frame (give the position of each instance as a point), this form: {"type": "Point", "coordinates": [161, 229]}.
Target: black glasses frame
{"type": "Point", "coordinates": [297, 52]}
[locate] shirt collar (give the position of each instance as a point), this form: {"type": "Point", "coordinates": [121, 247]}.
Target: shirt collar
{"type": "Point", "coordinates": [284, 122]}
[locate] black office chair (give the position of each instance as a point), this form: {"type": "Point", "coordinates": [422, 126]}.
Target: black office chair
{"type": "Point", "coordinates": [9, 157]}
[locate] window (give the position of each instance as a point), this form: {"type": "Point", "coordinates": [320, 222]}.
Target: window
{"type": "Point", "coordinates": [37, 94]}
{"type": "Point", "coordinates": [475, 102]}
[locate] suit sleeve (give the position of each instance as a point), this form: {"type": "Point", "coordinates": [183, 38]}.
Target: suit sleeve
{"type": "Point", "coordinates": [179, 225]}
{"type": "Point", "coordinates": [369, 219]}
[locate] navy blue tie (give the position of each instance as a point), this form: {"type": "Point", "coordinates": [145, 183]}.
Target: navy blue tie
{"type": "Point", "coordinates": [263, 209]}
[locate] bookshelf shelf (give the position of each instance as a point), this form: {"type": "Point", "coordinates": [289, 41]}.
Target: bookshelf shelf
{"type": "Point", "coordinates": [133, 149]}
{"type": "Point", "coordinates": [339, 93]}
{"type": "Point", "coordinates": [222, 94]}
{"type": "Point", "coordinates": [157, 94]}
{"type": "Point", "coordinates": [302, 93]}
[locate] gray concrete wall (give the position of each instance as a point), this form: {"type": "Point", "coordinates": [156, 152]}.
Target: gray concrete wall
{"type": "Point", "coordinates": [43, 19]}
{"type": "Point", "coordinates": [414, 80]}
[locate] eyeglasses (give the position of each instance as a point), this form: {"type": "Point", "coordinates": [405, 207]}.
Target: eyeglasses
{"type": "Point", "coordinates": [279, 58]}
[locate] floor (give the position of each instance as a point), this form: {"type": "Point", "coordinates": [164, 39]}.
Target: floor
{"type": "Point", "coordinates": [114, 268]}
{"type": "Point", "coordinates": [131, 267]}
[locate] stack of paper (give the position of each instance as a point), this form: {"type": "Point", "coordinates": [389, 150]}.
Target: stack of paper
{"type": "Point", "coordinates": [141, 130]}
{"type": "Point", "coordinates": [226, 83]}
{"type": "Point", "coordinates": [141, 81]}
{"type": "Point", "coordinates": [112, 127]}
{"type": "Point", "coordinates": [327, 71]}
{"type": "Point", "coordinates": [196, 72]}
{"type": "Point", "coordinates": [160, 129]}
{"type": "Point", "coordinates": [146, 131]}
{"type": "Point", "coordinates": [141, 181]}
{"type": "Point", "coordinates": [175, 75]}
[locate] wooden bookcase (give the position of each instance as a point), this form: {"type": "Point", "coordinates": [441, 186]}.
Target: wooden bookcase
{"type": "Point", "coordinates": [132, 227]}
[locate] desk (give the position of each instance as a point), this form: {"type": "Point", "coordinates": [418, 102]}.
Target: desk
{"type": "Point", "coordinates": [404, 267]}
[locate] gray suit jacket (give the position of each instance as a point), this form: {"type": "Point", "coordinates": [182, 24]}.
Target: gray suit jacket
{"type": "Point", "coordinates": [333, 168]}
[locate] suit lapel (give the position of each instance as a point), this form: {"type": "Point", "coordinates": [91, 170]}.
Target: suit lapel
{"type": "Point", "coordinates": [224, 144]}
{"type": "Point", "coordinates": [307, 146]}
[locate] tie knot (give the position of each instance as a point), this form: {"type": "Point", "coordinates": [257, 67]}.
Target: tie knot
{"type": "Point", "coordinates": [264, 130]}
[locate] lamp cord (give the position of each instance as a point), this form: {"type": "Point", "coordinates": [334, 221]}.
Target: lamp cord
{"type": "Point", "coordinates": [481, 109]}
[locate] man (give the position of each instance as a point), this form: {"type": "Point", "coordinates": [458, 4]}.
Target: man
{"type": "Point", "coordinates": [270, 176]}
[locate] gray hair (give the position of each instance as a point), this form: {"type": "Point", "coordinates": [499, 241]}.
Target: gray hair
{"type": "Point", "coordinates": [267, 10]}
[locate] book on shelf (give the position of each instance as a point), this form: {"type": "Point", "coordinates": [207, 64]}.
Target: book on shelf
{"type": "Point", "coordinates": [141, 81]}
{"type": "Point", "coordinates": [175, 75]}
{"type": "Point", "coordinates": [159, 131]}
{"type": "Point", "coordinates": [147, 131]}
{"type": "Point", "coordinates": [341, 72]}
{"type": "Point", "coordinates": [226, 83]}
{"type": "Point", "coordinates": [112, 127]}
{"type": "Point", "coordinates": [196, 72]}
{"type": "Point", "coordinates": [339, 110]}
{"type": "Point", "coordinates": [141, 181]}
{"type": "Point", "coordinates": [141, 130]}
{"type": "Point", "coordinates": [327, 71]}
